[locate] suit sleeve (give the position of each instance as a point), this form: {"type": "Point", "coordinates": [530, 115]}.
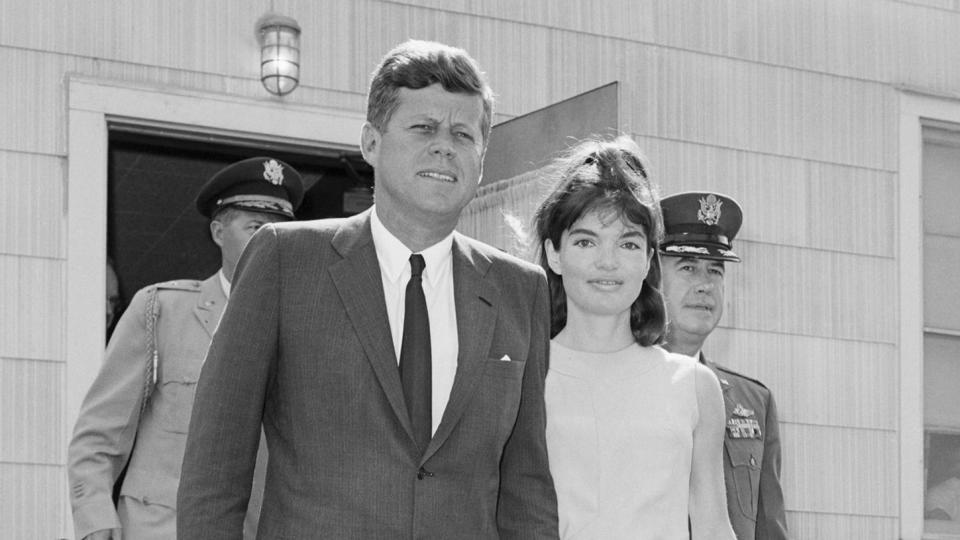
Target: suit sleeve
{"type": "Point", "coordinates": [527, 507]}
{"type": "Point", "coordinates": [108, 422]}
{"type": "Point", "coordinates": [771, 518]}
{"type": "Point", "coordinates": [225, 426]}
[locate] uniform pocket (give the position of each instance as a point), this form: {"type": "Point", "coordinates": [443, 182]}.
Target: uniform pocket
{"type": "Point", "coordinates": [173, 397]}
{"type": "Point", "coordinates": [745, 457]}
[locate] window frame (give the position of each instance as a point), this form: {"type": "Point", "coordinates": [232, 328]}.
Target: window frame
{"type": "Point", "coordinates": [916, 112]}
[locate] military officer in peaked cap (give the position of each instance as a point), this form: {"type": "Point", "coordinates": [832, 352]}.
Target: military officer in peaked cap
{"type": "Point", "coordinates": [699, 230]}
{"type": "Point", "coordinates": [137, 411]}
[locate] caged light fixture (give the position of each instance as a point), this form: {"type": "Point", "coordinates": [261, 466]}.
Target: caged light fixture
{"type": "Point", "coordinates": [279, 38]}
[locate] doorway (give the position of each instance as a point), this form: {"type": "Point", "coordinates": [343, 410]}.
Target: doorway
{"type": "Point", "coordinates": [155, 233]}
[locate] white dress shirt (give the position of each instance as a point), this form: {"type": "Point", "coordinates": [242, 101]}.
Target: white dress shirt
{"type": "Point", "coordinates": [394, 259]}
{"type": "Point", "coordinates": [224, 283]}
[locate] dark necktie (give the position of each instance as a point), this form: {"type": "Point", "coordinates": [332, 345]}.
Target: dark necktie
{"type": "Point", "coordinates": [415, 355]}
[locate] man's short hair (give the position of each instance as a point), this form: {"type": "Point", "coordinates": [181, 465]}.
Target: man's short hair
{"type": "Point", "coordinates": [418, 64]}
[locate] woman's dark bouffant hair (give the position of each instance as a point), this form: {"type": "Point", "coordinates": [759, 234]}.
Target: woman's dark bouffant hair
{"type": "Point", "coordinates": [605, 176]}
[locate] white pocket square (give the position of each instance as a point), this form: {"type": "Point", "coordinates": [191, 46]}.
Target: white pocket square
{"type": "Point", "coordinates": [506, 358]}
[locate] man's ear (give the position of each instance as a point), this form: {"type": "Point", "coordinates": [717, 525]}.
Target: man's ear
{"type": "Point", "coordinates": [216, 232]}
{"type": "Point", "coordinates": [553, 258]}
{"type": "Point", "coordinates": [370, 143]}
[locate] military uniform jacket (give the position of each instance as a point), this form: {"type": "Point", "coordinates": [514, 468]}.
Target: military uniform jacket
{"type": "Point", "coordinates": [751, 464]}
{"type": "Point", "coordinates": [110, 423]}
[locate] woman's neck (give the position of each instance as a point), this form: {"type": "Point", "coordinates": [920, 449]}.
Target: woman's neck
{"type": "Point", "coordinates": [595, 333]}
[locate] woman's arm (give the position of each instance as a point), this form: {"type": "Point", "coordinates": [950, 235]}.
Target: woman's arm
{"type": "Point", "coordinates": [708, 500]}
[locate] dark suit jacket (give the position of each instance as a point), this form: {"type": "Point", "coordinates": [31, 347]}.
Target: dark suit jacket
{"type": "Point", "coordinates": [751, 465]}
{"type": "Point", "coordinates": [305, 346]}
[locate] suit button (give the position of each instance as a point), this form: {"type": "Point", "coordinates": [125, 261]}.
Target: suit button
{"type": "Point", "coordinates": [423, 473]}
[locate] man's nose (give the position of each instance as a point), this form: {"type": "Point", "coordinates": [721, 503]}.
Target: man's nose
{"type": "Point", "coordinates": [442, 145]}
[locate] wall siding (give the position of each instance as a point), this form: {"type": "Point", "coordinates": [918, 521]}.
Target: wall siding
{"type": "Point", "coordinates": [790, 106]}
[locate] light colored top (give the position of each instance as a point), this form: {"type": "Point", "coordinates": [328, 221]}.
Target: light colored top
{"type": "Point", "coordinates": [394, 259]}
{"type": "Point", "coordinates": [625, 432]}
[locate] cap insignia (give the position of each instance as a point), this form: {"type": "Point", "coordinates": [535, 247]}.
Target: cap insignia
{"type": "Point", "coordinates": [688, 249]}
{"type": "Point", "coordinates": [273, 172]}
{"type": "Point", "coordinates": [709, 212]}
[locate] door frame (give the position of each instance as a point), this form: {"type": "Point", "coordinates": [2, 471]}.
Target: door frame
{"type": "Point", "coordinates": [93, 104]}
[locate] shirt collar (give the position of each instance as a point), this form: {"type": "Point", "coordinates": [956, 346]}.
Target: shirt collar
{"type": "Point", "coordinates": [394, 256]}
{"type": "Point", "coordinates": [224, 284]}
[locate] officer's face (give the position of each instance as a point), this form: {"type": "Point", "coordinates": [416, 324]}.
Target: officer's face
{"type": "Point", "coordinates": [602, 261]}
{"type": "Point", "coordinates": [427, 159]}
{"type": "Point", "coordinates": [113, 295]}
{"type": "Point", "coordinates": [694, 294]}
{"type": "Point", "coordinates": [233, 230]}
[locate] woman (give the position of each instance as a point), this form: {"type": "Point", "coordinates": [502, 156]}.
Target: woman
{"type": "Point", "coordinates": [634, 433]}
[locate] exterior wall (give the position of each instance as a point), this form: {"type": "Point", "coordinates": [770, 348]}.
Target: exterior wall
{"type": "Point", "coordinates": [790, 106]}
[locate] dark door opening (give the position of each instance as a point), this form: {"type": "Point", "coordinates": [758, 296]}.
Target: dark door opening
{"type": "Point", "coordinates": [154, 232]}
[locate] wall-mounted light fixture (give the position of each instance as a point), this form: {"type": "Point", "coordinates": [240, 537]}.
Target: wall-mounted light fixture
{"type": "Point", "coordinates": [279, 38]}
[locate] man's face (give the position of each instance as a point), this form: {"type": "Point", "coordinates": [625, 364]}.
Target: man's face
{"type": "Point", "coordinates": [113, 295]}
{"type": "Point", "coordinates": [234, 231]}
{"type": "Point", "coordinates": [693, 290]}
{"type": "Point", "coordinates": [428, 158]}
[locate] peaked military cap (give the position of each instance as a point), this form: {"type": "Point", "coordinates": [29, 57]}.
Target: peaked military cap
{"type": "Point", "coordinates": [260, 184]}
{"type": "Point", "coordinates": [700, 224]}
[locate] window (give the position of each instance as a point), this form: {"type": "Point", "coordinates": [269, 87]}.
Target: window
{"type": "Point", "coordinates": [941, 332]}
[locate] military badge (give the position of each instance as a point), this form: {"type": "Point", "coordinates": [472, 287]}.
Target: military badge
{"type": "Point", "coordinates": [273, 172]}
{"type": "Point", "coordinates": [742, 411]}
{"type": "Point", "coordinates": [709, 212]}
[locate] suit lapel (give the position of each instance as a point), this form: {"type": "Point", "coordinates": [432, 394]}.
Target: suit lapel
{"type": "Point", "coordinates": [357, 279]}
{"type": "Point", "coordinates": [476, 301]}
{"type": "Point", "coordinates": [210, 306]}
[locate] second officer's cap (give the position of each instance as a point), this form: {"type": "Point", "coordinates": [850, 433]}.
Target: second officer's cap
{"type": "Point", "coordinates": [260, 184]}
{"type": "Point", "coordinates": [700, 224]}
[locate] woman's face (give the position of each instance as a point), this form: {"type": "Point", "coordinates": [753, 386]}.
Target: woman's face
{"type": "Point", "coordinates": [602, 260]}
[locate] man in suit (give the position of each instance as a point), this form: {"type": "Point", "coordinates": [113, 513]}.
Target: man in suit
{"type": "Point", "coordinates": [397, 401]}
{"type": "Point", "coordinates": [699, 230]}
{"type": "Point", "coordinates": [137, 411]}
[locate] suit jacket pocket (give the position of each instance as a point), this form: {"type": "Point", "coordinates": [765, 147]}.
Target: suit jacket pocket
{"type": "Point", "coordinates": [509, 369]}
